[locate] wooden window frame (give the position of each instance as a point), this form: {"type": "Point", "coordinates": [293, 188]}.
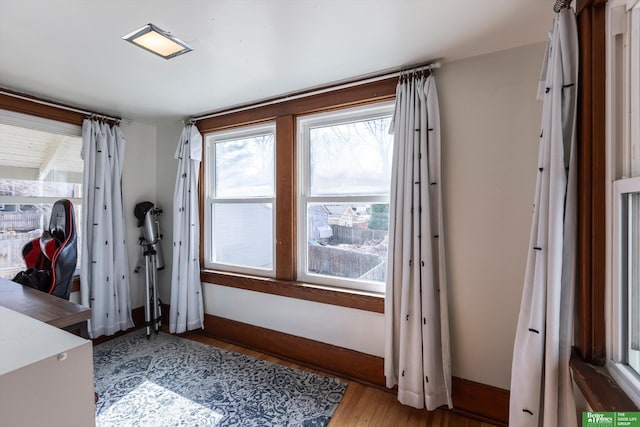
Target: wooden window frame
{"type": "Point", "coordinates": [284, 113]}
{"type": "Point", "coordinates": [590, 351]}
{"type": "Point", "coordinates": [26, 104]}
{"type": "Point", "coordinates": [590, 338]}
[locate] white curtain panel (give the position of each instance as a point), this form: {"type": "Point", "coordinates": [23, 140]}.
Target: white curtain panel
{"type": "Point", "coordinates": [186, 309]}
{"type": "Point", "coordinates": [104, 270]}
{"type": "Point", "coordinates": [417, 356]}
{"type": "Point", "coordinates": [541, 386]}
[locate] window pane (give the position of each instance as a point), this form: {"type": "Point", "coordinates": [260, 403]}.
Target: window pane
{"type": "Point", "coordinates": [633, 277]}
{"type": "Point", "coordinates": [348, 240]}
{"type": "Point", "coordinates": [243, 234]}
{"type": "Point", "coordinates": [29, 188]}
{"type": "Point", "coordinates": [34, 165]}
{"type": "Point", "coordinates": [350, 158]}
{"type": "Point", "coordinates": [20, 224]}
{"type": "Point", "coordinates": [245, 167]}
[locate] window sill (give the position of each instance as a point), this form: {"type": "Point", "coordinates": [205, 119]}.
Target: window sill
{"type": "Point", "coordinates": [299, 290]}
{"type": "Point", "coordinates": [599, 390]}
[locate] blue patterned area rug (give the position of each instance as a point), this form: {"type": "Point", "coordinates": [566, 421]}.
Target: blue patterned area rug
{"type": "Point", "coordinates": [172, 381]}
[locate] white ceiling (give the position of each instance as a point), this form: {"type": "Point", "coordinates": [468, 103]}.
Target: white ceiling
{"type": "Point", "coordinates": [244, 50]}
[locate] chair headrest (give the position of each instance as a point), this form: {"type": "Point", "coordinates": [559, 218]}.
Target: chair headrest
{"type": "Point", "coordinates": [62, 222]}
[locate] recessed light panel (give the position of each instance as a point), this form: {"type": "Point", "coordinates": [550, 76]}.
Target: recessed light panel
{"type": "Point", "coordinates": [158, 41]}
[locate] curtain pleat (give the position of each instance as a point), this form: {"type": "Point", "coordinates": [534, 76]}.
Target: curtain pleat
{"type": "Point", "coordinates": [104, 270]}
{"type": "Point", "coordinates": [417, 356]}
{"type": "Point", "coordinates": [186, 310]}
{"type": "Point", "coordinates": [541, 385]}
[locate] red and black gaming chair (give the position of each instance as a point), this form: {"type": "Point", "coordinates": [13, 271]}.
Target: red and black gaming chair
{"type": "Point", "coordinates": [51, 258]}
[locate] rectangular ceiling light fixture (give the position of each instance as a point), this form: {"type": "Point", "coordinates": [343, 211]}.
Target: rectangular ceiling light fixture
{"type": "Point", "coordinates": [158, 41]}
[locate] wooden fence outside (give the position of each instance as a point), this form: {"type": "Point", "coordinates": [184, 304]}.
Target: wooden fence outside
{"type": "Point", "coordinates": [356, 235]}
{"type": "Point", "coordinates": [20, 221]}
{"type": "Point", "coordinates": [341, 262]}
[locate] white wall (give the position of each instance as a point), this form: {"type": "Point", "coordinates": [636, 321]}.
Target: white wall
{"type": "Point", "coordinates": [340, 326]}
{"type": "Point", "coordinates": [138, 185]}
{"type": "Point", "coordinates": [490, 127]}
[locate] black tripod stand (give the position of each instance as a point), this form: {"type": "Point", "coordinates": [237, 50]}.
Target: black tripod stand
{"type": "Point", "coordinates": [150, 245]}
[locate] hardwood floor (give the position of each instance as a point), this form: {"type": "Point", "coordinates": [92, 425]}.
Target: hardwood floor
{"type": "Point", "coordinates": [363, 405]}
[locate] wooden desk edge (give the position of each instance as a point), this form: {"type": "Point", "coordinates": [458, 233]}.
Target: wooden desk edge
{"type": "Point", "coordinates": [69, 313]}
{"type": "Point", "coordinates": [72, 319]}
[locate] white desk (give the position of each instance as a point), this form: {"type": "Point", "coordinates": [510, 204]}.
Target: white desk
{"type": "Point", "coordinates": [46, 374]}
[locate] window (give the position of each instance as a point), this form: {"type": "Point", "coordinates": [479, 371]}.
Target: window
{"type": "Point", "coordinates": [343, 204]}
{"type": "Point", "coordinates": [626, 214]}
{"type": "Point", "coordinates": [240, 200]}
{"type": "Point", "coordinates": [625, 354]}
{"type": "Point", "coordinates": [282, 241]}
{"type": "Point", "coordinates": [40, 164]}
{"type": "Point", "coordinates": [624, 160]}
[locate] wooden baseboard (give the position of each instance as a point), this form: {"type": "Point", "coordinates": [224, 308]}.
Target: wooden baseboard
{"type": "Point", "coordinates": [481, 401]}
{"type": "Point", "coordinates": [137, 314]}
{"type": "Point", "coordinates": [340, 361]}
{"type": "Point", "coordinates": [474, 399]}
